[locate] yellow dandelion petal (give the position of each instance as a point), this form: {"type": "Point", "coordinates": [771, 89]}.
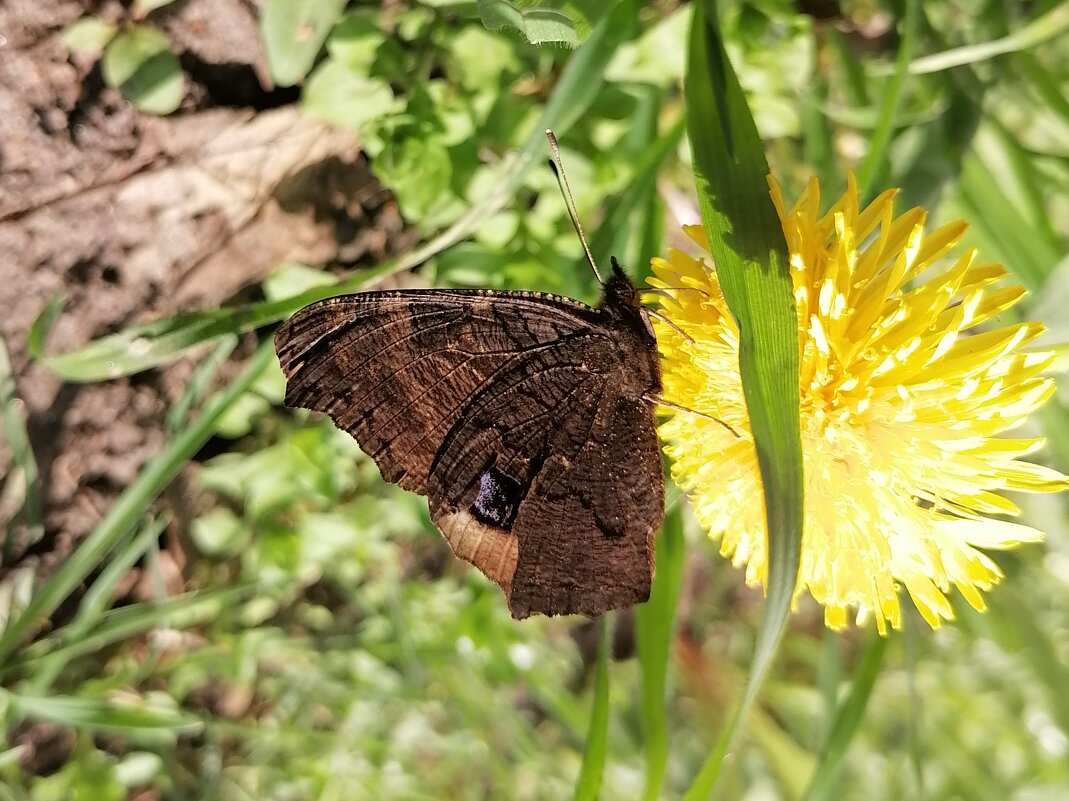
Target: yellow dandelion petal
{"type": "Point", "coordinates": [901, 404]}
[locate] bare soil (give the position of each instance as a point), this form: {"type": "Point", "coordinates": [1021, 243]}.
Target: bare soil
{"type": "Point", "coordinates": [133, 217]}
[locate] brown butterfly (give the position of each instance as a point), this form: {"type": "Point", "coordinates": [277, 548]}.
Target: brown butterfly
{"type": "Point", "coordinates": [527, 420]}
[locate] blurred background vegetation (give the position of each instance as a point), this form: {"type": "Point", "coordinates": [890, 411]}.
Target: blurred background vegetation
{"type": "Point", "coordinates": [237, 607]}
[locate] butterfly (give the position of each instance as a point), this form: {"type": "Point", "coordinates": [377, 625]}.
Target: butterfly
{"type": "Point", "coordinates": [526, 419]}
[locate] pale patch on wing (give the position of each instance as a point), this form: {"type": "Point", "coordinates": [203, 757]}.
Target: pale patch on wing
{"type": "Point", "coordinates": [491, 550]}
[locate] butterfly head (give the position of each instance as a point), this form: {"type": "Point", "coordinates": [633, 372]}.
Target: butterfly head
{"type": "Point", "coordinates": [620, 291]}
{"type": "Point", "coordinates": [621, 299]}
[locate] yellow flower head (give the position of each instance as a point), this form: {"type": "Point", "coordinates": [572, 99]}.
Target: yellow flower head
{"type": "Point", "coordinates": [905, 382]}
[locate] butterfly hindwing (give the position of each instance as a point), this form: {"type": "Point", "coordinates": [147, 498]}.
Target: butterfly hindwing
{"type": "Point", "coordinates": [576, 483]}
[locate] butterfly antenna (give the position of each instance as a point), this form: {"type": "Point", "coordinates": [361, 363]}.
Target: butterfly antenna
{"type": "Point", "coordinates": [662, 402]}
{"type": "Point", "coordinates": [668, 321]}
{"type": "Point", "coordinates": [562, 179]}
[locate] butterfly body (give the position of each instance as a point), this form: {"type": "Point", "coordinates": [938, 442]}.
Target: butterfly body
{"type": "Point", "coordinates": [523, 417]}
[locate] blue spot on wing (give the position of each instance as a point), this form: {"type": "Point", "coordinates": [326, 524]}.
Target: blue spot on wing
{"type": "Point", "coordinates": [498, 500]}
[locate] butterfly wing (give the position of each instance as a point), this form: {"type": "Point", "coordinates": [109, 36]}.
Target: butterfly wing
{"type": "Point", "coordinates": [506, 410]}
{"type": "Point", "coordinates": [560, 504]}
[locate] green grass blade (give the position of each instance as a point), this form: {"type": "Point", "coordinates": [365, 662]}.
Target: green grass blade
{"type": "Point", "coordinates": [877, 160]}
{"type": "Point", "coordinates": [847, 721]}
{"type": "Point", "coordinates": [21, 454]}
{"type": "Point", "coordinates": [200, 382]}
{"type": "Point", "coordinates": [1042, 29]}
{"type": "Point", "coordinates": [613, 234]}
{"type": "Point", "coordinates": [1014, 240]}
{"type": "Point", "coordinates": [98, 598]}
{"type": "Point", "coordinates": [98, 713]}
{"type": "Point", "coordinates": [1046, 84]}
{"type": "Point", "coordinates": [125, 512]}
{"type": "Point", "coordinates": [911, 639]}
{"type": "Point", "coordinates": [746, 242]}
{"type": "Point", "coordinates": [117, 625]}
{"type": "Point", "coordinates": [583, 76]}
{"type": "Point", "coordinates": [588, 786]}
{"type": "Point", "coordinates": [161, 341]}
{"type": "Point", "coordinates": [828, 677]}
{"type": "Point", "coordinates": [654, 630]}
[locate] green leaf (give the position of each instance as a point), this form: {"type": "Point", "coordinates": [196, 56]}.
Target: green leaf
{"type": "Point", "coordinates": [654, 630]}
{"type": "Point", "coordinates": [220, 532]}
{"type": "Point", "coordinates": [199, 383]}
{"type": "Point", "coordinates": [877, 159]}
{"type": "Point", "coordinates": [419, 171]}
{"type": "Point", "coordinates": [88, 35]}
{"type": "Point", "coordinates": [536, 25]}
{"type": "Point", "coordinates": [339, 94]}
{"type": "Point", "coordinates": [143, 8]}
{"type": "Point", "coordinates": [357, 40]}
{"type": "Point", "coordinates": [98, 713]}
{"type": "Point", "coordinates": [117, 625]}
{"type": "Point", "coordinates": [612, 235]}
{"type": "Point", "coordinates": [588, 786]}
{"type": "Point", "coordinates": [22, 456]}
{"type": "Point", "coordinates": [847, 721]}
{"type": "Point", "coordinates": [747, 246]}
{"type": "Point", "coordinates": [1052, 24]}
{"type": "Point", "coordinates": [162, 341]}
{"type": "Point", "coordinates": [125, 512]}
{"type": "Point", "coordinates": [140, 64]}
{"type": "Point", "coordinates": [1011, 237]}
{"type": "Point", "coordinates": [293, 33]}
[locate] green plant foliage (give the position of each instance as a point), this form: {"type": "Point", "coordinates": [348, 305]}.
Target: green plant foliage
{"type": "Point", "coordinates": [88, 35]}
{"type": "Point", "coordinates": [139, 63]}
{"type": "Point", "coordinates": [750, 254]}
{"type": "Point", "coordinates": [293, 34]}
{"type": "Point", "coordinates": [324, 643]}
{"type": "Point", "coordinates": [536, 25]}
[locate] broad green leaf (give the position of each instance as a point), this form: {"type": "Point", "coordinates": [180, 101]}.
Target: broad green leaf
{"type": "Point", "coordinates": [128, 508]}
{"type": "Point", "coordinates": [847, 721]}
{"type": "Point", "coordinates": [293, 33]}
{"type": "Point", "coordinates": [749, 252]}
{"type": "Point", "coordinates": [536, 25]}
{"type": "Point", "coordinates": [88, 35]}
{"type": "Point", "coordinates": [140, 64]}
{"type": "Point", "coordinates": [419, 171]}
{"type": "Point", "coordinates": [588, 786]}
{"type": "Point", "coordinates": [359, 42]}
{"type": "Point", "coordinates": [654, 631]}
{"type": "Point", "coordinates": [339, 94]}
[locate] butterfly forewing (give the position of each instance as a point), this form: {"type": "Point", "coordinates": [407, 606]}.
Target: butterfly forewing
{"type": "Point", "coordinates": [521, 417]}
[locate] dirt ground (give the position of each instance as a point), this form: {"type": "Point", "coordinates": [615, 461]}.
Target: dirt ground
{"type": "Point", "coordinates": [133, 217]}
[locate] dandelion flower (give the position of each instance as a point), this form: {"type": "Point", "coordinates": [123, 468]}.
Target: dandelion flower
{"type": "Point", "coordinates": [906, 380]}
